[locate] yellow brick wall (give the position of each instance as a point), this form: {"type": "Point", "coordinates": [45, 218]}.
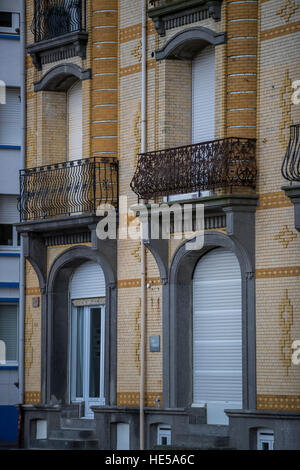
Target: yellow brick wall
{"type": "Point", "coordinates": [254, 72]}
{"type": "Point", "coordinates": [32, 338]}
{"type": "Point", "coordinates": [277, 241]}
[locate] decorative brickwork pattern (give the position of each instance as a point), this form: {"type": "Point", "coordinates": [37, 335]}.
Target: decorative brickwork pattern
{"type": "Point", "coordinates": [286, 321]}
{"type": "Point", "coordinates": [32, 398]}
{"type": "Point", "coordinates": [287, 10]}
{"type": "Point", "coordinates": [285, 100]}
{"type": "Point", "coordinates": [278, 402]}
{"type": "Point", "coordinates": [285, 236]}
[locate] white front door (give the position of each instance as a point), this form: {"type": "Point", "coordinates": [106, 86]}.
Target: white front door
{"type": "Point", "coordinates": [87, 356]}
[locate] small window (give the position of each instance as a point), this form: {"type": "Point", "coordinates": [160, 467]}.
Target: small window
{"type": "Point", "coordinates": [10, 118]}
{"type": "Point", "coordinates": [6, 234]}
{"type": "Point", "coordinates": [5, 19]}
{"type": "Point", "coordinates": [9, 22]}
{"type": "Point", "coordinates": [41, 429]}
{"type": "Point", "coordinates": [265, 439]}
{"type": "Point", "coordinates": [164, 435]}
{"type": "Point", "coordinates": [9, 215]}
{"type": "Point", "coordinates": [123, 436]}
{"type": "Point", "coordinates": [9, 331]}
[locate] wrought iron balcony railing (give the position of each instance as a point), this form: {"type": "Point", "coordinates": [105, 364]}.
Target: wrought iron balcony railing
{"type": "Point", "coordinates": [53, 18]}
{"type": "Point", "coordinates": [68, 188]}
{"type": "Point", "coordinates": [221, 163]}
{"type": "Point", "coordinates": [291, 163]}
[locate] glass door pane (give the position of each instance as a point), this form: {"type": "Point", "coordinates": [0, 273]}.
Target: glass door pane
{"type": "Point", "coordinates": [95, 352]}
{"type": "Point", "coordinates": [79, 352]}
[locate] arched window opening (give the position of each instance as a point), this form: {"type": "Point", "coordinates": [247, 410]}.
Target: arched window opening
{"type": "Point", "coordinates": [217, 334]}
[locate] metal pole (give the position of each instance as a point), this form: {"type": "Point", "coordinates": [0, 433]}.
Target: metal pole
{"type": "Point", "coordinates": [22, 165]}
{"type": "Point", "coordinates": [143, 257]}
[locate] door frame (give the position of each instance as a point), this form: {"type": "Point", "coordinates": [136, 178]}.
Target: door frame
{"type": "Point", "coordinates": [86, 399]}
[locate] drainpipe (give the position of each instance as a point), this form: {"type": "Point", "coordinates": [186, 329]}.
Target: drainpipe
{"type": "Point", "coordinates": [143, 255]}
{"type": "Point", "coordinates": [22, 165]}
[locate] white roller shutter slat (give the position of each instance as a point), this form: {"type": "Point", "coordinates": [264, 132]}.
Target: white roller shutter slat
{"type": "Point", "coordinates": [9, 213]}
{"type": "Point", "coordinates": [87, 281]}
{"type": "Point", "coordinates": [10, 118]}
{"type": "Point", "coordinates": [203, 96]}
{"type": "Point", "coordinates": [75, 122]}
{"type": "Point", "coordinates": [217, 334]}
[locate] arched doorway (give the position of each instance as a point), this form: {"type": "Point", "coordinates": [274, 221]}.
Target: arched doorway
{"type": "Point", "coordinates": [87, 342]}
{"type": "Point", "coordinates": [217, 334]}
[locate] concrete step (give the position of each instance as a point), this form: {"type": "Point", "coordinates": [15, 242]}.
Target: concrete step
{"type": "Point", "coordinates": [70, 434]}
{"type": "Point", "coordinates": [65, 444]}
{"type": "Point", "coordinates": [212, 430]}
{"type": "Point", "coordinates": [206, 442]}
{"type": "Point", "coordinates": [77, 423]}
{"type": "Point", "coordinates": [71, 411]}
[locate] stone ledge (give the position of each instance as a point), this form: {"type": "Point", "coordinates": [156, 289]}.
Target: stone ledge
{"type": "Point", "coordinates": [61, 47]}
{"type": "Point", "coordinates": [74, 222]}
{"type": "Point", "coordinates": [293, 192]}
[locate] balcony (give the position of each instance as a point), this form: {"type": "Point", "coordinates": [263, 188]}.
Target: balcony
{"type": "Point", "coordinates": [291, 171]}
{"type": "Point", "coordinates": [59, 29]}
{"type": "Point", "coordinates": [68, 188]}
{"type": "Point", "coordinates": [224, 164]}
{"type": "Point", "coordinates": [291, 163]}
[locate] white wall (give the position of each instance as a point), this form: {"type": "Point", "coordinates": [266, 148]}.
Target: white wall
{"type": "Point", "coordinates": [8, 391]}
{"type": "Point", "coordinates": [9, 269]}
{"type": "Point", "coordinates": [10, 60]}
{"type": "Point", "coordinates": [9, 175]}
{"type": "Point", "coordinates": [10, 5]}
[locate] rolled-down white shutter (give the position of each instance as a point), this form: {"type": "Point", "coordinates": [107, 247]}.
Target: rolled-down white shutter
{"type": "Point", "coordinates": [10, 118]}
{"type": "Point", "coordinates": [217, 334]}
{"type": "Point", "coordinates": [87, 281]}
{"type": "Point", "coordinates": [75, 122]}
{"type": "Point", "coordinates": [203, 95]}
{"type": "Point", "coordinates": [9, 213]}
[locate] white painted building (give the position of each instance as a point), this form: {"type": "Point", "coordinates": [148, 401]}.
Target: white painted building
{"type": "Point", "coordinates": [10, 251]}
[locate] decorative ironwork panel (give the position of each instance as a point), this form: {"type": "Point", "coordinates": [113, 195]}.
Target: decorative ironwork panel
{"type": "Point", "coordinates": [68, 188]}
{"type": "Point", "coordinates": [291, 163]}
{"type": "Point", "coordinates": [53, 18]}
{"type": "Point", "coordinates": [221, 163]}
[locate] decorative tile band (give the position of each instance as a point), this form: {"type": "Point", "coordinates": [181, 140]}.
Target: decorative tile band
{"type": "Point", "coordinates": [31, 398]}
{"type": "Point", "coordinates": [125, 283]}
{"type": "Point", "coordinates": [133, 399]}
{"type": "Point", "coordinates": [280, 31]}
{"type": "Point", "coordinates": [273, 200]}
{"type": "Point", "coordinates": [131, 69]}
{"type": "Point", "coordinates": [278, 402]}
{"type": "Point", "coordinates": [290, 271]}
{"type": "Point", "coordinates": [135, 31]}
{"type": "Point", "coordinates": [33, 291]}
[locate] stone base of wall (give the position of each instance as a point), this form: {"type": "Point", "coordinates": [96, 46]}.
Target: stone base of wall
{"type": "Point", "coordinates": [244, 424]}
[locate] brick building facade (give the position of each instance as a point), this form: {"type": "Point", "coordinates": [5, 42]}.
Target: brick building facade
{"type": "Point", "coordinates": [255, 47]}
